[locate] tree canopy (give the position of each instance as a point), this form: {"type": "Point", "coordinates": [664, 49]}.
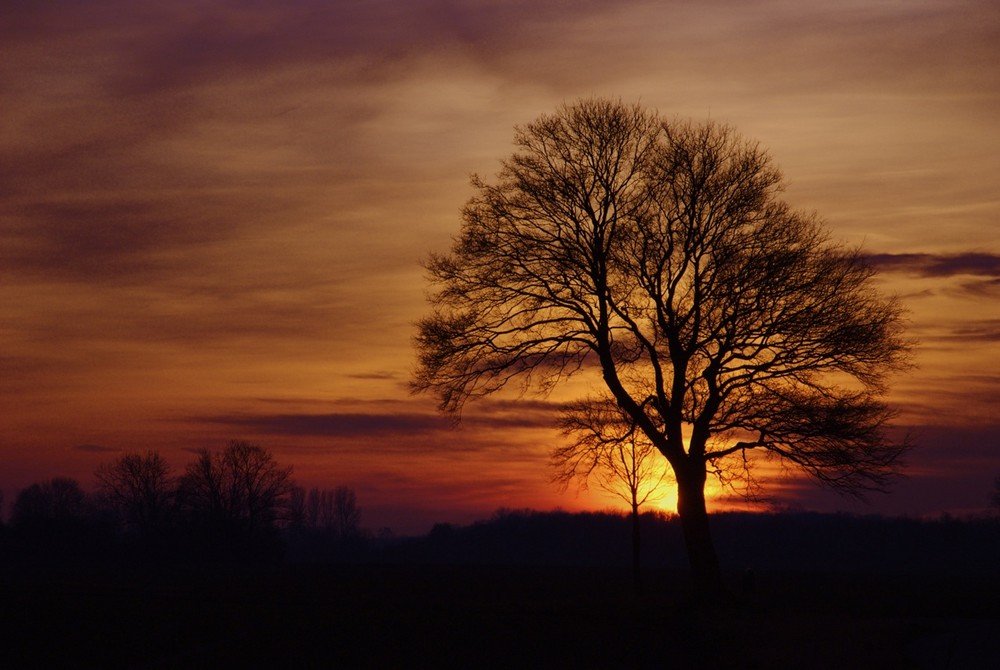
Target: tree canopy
{"type": "Point", "coordinates": [659, 254]}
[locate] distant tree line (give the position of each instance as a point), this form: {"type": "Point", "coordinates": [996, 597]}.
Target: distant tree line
{"type": "Point", "coordinates": [238, 503]}
{"type": "Point", "coordinates": [785, 541]}
{"type": "Point", "coordinates": [241, 504]}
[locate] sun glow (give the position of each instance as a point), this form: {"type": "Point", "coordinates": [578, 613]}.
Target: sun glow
{"type": "Point", "coordinates": [664, 498]}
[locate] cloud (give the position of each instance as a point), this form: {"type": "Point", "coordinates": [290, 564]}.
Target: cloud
{"type": "Point", "coordinates": [987, 288]}
{"type": "Point", "coordinates": [379, 376]}
{"type": "Point", "coordinates": [966, 401]}
{"type": "Point", "coordinates": [486, 415]}
{"type": "Point", "coordinates": [985, 330]}
{"type": "Point", "coordinates": [96, 448]}
{"type": "Point", "coordinates": [478, 424]}
{"type": "Point", "coordinates": [949, 468]}
{"type": "Point", "coordinates": [335, 425]}
{"type": "Point", "coordinates": [938, 265]}
{"type": "Point", "coordinates": [951, 450]}
{"type": "Point", "coordinates": [979, 272]}
{"type": "Point", "coordinates": [164, 134]}
{"type": "Point", "coordinates": [164, 131]}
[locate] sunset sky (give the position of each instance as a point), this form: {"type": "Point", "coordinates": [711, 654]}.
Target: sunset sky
{"type": "Point", "coordinates": [212, 216]}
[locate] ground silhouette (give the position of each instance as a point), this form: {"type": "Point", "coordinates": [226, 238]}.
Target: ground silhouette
{"type": "Point", "coordinates": [524, 589]}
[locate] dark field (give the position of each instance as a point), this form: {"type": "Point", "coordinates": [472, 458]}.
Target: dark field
{"type": "Point", "coordinates": [519, 590]}
{"type": "Point", "coordinates": [381, 616]}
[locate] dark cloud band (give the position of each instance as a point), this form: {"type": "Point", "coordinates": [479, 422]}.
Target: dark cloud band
{"type": "Point", "coordinates": [938, 265]}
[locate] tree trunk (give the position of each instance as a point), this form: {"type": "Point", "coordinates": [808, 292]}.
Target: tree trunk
{"type": "Point", "coordinates": [694, 522]}
{"type": "Point", "coordinates": [636, 574]}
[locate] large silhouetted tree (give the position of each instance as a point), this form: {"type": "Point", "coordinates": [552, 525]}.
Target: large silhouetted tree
{"type": "Point", "coordinates": [140, 490]}
{"type": "Point", "coordinates": [660, 255]}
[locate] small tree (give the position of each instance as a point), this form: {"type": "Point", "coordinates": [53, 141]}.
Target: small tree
{"type": "Point", "coordinates": [320, 509]}
{"type": "Point", "coordinates": [607, 448]}
{"type": "Point", "coordinates": [297, 513]}
{"type": "Point", "coordinates": [139, 489]}
{"type": "Point", "coordinates": [347, 513]}
{"type": "Point", "coordinates": [334, 511]}
{"type": "Point", "coordinates": [659, 255]}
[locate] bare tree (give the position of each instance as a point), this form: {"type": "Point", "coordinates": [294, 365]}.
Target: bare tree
{"type": "Point", "coordinates": [241, 488]}
{"type": "Point", "coordinates": [139, 488]}
{"type": "Point", "coordinates": [347, 513]}
{"type": "Point", "coordinates": [607, 447]}
{"type": "Point", "coordinates": [297, 513]}
{"type": "Point", "coordinates": [334, 511]}
{"type": "Point", "coordinates": [320, 509]}
{"type": "Point", "coordinates": [659, 256]}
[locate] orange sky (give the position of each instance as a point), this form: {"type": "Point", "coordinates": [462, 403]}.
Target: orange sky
{"type": "Point", "coordinates": [212, 216]}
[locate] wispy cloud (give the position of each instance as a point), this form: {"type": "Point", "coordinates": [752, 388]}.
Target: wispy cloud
{"type": "Point", "coordinates": [374, 376]}
{"type": "Point", "coordinates": [965, 401]}
{"type": "Point", "coordinates": [96, 449]}
{"type": "Point", "coordinates": [939, 265]}
{"type": "Point", "coordinates": [987, 288]}
{"type": "Point", "coordinates": [335, 425]}
{"type": "Point", "coordinates": [951, 468]}
{"type": "Point", "coordinates": [496, 415]}
{"type": "Point", "coordinates": [987, 330]}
